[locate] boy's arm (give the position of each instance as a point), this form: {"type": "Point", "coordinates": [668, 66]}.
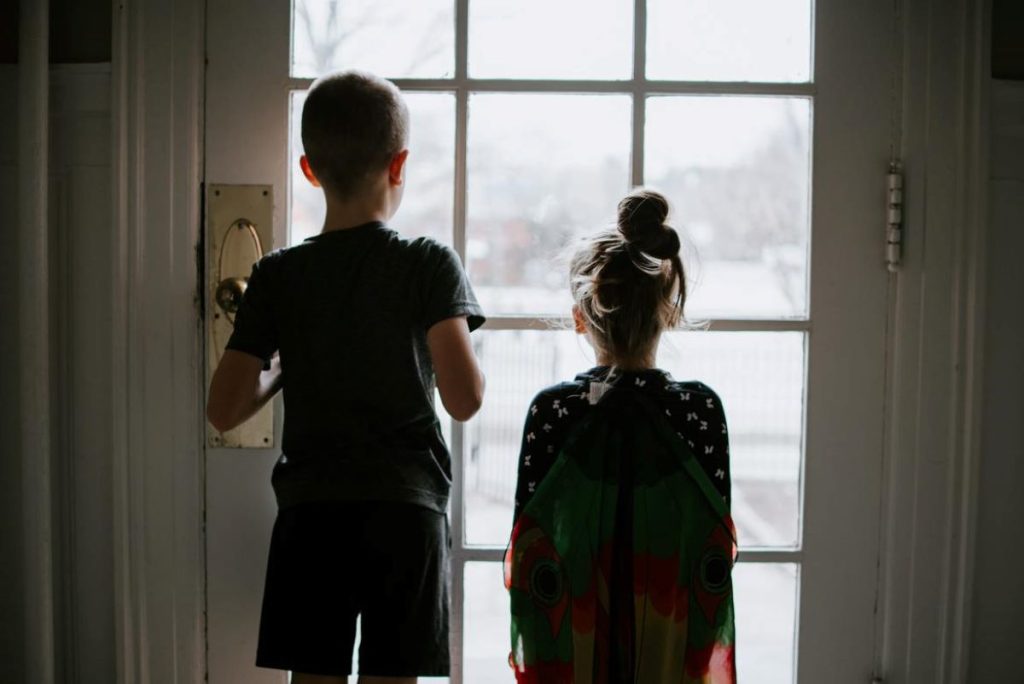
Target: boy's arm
{"type": "Point", "coordinates": [240, 387]}
{"type": "Point", "coordinates": [459, 378]}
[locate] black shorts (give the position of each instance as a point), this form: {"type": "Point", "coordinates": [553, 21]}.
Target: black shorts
{"type": "Point", "coordinates": [333, 563]}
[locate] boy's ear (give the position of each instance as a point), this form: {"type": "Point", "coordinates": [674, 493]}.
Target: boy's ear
{"type": "Point", "coordinates": [307, 171]}
{"type": "Point", "coordinates": [577, 319]}
{"type": "Point", "coordinates": [396, 170]}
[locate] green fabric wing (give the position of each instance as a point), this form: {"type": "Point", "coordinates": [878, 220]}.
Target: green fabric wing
{"type": "Point", "coordinates": [619, 567]}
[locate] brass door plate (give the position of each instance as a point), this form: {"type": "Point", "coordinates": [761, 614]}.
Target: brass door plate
{"type": "Point", "coordinates": [239, 230]}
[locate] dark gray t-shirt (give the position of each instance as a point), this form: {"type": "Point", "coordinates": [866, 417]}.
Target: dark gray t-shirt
{"type": "Point", "coordinates": [349, 311]}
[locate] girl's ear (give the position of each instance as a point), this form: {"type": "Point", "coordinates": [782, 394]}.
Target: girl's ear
{"type": "Point", "coordinates": [307, 171]}
{"type": "Point", "coordinates": [578, 322]}
{"type": "Point", "coordinates": [396, 170]}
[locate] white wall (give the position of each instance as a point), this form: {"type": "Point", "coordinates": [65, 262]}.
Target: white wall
{"type": "Point", "coordinates": [998, 608]}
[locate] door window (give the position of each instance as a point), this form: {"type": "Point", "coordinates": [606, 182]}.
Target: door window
{"type": "Point", "coordinates": [529, 121]}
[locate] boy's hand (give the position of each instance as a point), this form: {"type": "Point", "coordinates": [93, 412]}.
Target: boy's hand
{"type": "Point", "coordinates": [240, 387]}
{"type": "Point", "coordinates": [459, 379]}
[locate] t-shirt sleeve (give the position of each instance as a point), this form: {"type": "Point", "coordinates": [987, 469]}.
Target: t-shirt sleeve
{"type": "Point", "coordinates": [722, 473]}
{"type": "Point", "coordinates": [697, 414]}
{"type": "Point", "coordinates": [446, 290]}
{"type": "Point", "coordinates": [536, 453]}
{"type": "Point", "coordinates": [552, 415]}
{"type": "Point", "coordinates": [255, 330]}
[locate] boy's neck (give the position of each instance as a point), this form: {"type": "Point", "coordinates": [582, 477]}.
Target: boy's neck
{"type": "Point", "coordinates": [357, 211]}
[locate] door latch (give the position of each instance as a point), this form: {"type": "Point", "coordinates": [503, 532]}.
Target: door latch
{"type": "Point", "coordinates": [239, 221]}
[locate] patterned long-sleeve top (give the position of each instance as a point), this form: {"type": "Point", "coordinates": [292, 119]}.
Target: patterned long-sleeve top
{"type": "Point", "coordinates": [693, 409]}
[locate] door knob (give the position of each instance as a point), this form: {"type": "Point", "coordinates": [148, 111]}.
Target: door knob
{"type": "Point", "coordinates": [229, 295]}
{"type": "Point", "coordinates": [240, 239]}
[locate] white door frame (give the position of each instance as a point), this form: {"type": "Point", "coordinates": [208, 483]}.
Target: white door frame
{"type": "Point", "coordinates": [934, 344]}
{"type": "Point", "coordinates": [157, 91]}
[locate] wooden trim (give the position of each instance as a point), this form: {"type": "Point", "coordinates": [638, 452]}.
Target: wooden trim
{"type": "Point", "coordinates": [973, 277]}
{"type": "Point", "coordinates": [125, 600]}
{"type": "Point", "coordinates": [935, 344]}
{"type": "Point", "coordinates": [36, 443]}
{"type": "Point", "coordinates": [470, 553]}
{"type": "Point", "coordinates": [638, 85]}
{"type": "Point", "coordinates": [157, 92]}
{"type": "Point", "coordinates": [557, 322]}
{"type": "Point", "coordinates": [639, 127]}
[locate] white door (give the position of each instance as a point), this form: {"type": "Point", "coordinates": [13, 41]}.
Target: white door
{"type": "Point", "coordinates": [766, 124]}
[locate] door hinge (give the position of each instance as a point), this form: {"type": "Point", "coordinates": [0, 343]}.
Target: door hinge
{"type": "Point", "coordinates": [894, 216]}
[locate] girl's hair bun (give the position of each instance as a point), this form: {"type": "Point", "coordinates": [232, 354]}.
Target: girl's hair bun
{"type": "Point", "coordinates": [641, 222]}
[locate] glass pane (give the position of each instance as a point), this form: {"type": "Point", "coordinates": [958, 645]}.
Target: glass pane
{"type": "Point", "coordinates": [759, 376]}
{"type": "Point", "coordinates": [518, 364]}
{"type": "Point", "coordinates": [430, 172]}
{"type": "Point", "coordinates": [765, 600]}
{"type": "Point", "coordinates": [541, 169]}
{"type": "Point", "coordinates": [737, 170]}
{"type": "Point", "coordinates": [392, 39]}
{"type": "Point", "coordinates": [486, 639]}
{"type": "Point", "coordinates": [739, 40]}
{"type": "Point", "coordinates": [766, 603]}
{"type": "Point", "coordinates": [542, 39]}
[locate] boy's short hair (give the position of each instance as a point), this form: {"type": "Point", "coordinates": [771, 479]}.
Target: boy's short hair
{"type": "Point", "coordinates": [353, 124]}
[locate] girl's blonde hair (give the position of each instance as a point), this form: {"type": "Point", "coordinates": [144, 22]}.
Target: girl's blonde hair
{"type": "Point", "coordinates": [628, 282]}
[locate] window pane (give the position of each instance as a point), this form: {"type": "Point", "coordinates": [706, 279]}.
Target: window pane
{"type": "Point", "coordinates": [541, 169]}
{"type": "Point", "coordinates": [392, 39]}
{"type": "Point", "coordinates": [765, 599]}
{"type": "Point", "coordinates": [430, 173]}
{"type": "Point", "coordinates": [737, 170]}
{"type": "Point", "coordinates": [765, 596]}
{"type": "Point", "coordinates": [760, 379]}
{"type": "Point", "coordinates": [541, 39]}
{"type": "Point", "coordinates": [518, 364]}
{"type": "Point", "coordinates": [739, 40]}
{"type": "Point", "coordinates": [486, 615]}
{"type": "Point", "coordinates": [759, 376]}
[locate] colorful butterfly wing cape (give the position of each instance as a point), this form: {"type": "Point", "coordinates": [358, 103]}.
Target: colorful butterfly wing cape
{"type": "Point", "coordinates": [619, 568]}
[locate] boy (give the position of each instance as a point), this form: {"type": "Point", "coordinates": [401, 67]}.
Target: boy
{"type": "Point", "coordinates": [355, 324]}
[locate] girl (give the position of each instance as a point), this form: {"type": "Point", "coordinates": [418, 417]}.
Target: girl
{"type": "Point", "coordinates": [620, 559]}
